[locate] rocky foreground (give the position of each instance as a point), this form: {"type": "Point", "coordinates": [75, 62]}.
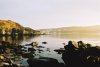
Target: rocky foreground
{"type": "Point", "coordinates": [79, 54]}
{"type": "Point", "coordinates": [74, 54]}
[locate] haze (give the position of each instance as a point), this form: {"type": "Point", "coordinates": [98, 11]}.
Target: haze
{"type": "Point", "coordinates": [39, 14]}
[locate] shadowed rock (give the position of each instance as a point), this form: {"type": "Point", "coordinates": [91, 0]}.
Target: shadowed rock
{"type": "Point", "coordinates": [85, 55]}
{"type": "Point", "coordinates": [43, 62]}
{"type": "Point", "coordinates": [44, 42]}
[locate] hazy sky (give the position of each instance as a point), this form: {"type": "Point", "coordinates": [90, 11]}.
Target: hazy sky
{"type": "Point", "coordinates": [51, 13]}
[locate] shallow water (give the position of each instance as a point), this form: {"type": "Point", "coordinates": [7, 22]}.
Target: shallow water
{"type": "Point", "coordinates": [55, 42]}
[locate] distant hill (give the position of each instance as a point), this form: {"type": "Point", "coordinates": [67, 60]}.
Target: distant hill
{"type": "Point", "coordinates": [74, 29]}
{"type": "Point", "coordinates": [6, 26]}
{"type": "Point", "coordinates": [10, 24]}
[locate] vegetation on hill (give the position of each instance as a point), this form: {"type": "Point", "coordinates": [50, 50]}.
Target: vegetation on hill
{"type": "Point", "coordinates": [8, 27]}
{"type": "Point", "coordinates": [10, 24]}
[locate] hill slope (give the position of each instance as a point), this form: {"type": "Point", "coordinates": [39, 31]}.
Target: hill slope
{"type": "Point", "coordinates": [64, 30]}
{"type": "Point", "coordinates": [7, 26]}
{"type": "Point", "coordinates": [10, 24]}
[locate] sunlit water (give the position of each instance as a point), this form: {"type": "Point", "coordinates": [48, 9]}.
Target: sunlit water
{"type": "Point", "coordinates": [55, 42]}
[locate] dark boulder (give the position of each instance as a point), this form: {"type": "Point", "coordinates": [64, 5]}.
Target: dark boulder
{"type": "Point", "coordinates": [85, 55]}
{"type": "Point", "coordinates": [43, 62]}
{"type": "Point", "coordinates": [60, 51]}
{"type": "Point", "coordinates": [44, 42]}
{"type": "Point", "coordinates": [93, 51]}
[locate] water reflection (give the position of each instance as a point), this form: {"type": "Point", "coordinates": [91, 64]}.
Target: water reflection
{"type": "Point", "coordinates": [53, 42]}
{"type": "Point", "coordinates": [77, 36]}
{"type": "Point", "coordinates": [63, 37]}
{"type": "Point", "coordinates": [16, 40]}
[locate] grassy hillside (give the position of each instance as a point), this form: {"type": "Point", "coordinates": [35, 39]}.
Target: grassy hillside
{"type": "Point", "coordinates": [10, 24]}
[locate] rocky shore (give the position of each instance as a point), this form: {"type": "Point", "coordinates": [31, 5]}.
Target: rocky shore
{"type": "Point", "coordinates": [79, 54]}
{"type": "Point", "coordinates": [74, 54]}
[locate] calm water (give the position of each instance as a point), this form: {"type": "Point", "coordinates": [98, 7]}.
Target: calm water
{"type": "Point", "coordinates": [55, 42]}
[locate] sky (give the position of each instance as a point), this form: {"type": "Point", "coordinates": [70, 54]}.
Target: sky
{"type": "Point", "coordinates": [40, 14]}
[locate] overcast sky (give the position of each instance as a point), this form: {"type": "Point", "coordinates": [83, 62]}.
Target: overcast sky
{"type": "Point", "coordinates": [39, 14]}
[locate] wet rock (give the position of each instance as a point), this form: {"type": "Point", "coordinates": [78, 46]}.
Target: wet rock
{"type": "Point", "coordinates": [43, 62]}
{"type": "Point", "coordinates": [71, 47]}
{"type": "Point", "coordinates": [28, 49]}
{"type": "Point", "coordinates": [22, 63]}
{"type": "Point", "coordinates": [82, 56]}
{"type": "Point", "coordinates": [7, 65]}
{"type": "Point", "coordinates": [40, 47]}
{"type": "Point", "coordinates": [18, 51]}
{"type": "Point", "coordinates": [93, 51]}
{"type": "Point", "coordinates": [60, 51]}
{"type": "Point", "coordinates": [40, 50]}
{"type": "Point", "coordinates": [32, 44]}
{"type": "Point", "coordinates": [44, 42]}
{"type": "Point", "coordinates": [31, 49]}
{"type": "Point", "coordinates": [27, 55]}
{"type": "Point", "coordinates": [48, 49]}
